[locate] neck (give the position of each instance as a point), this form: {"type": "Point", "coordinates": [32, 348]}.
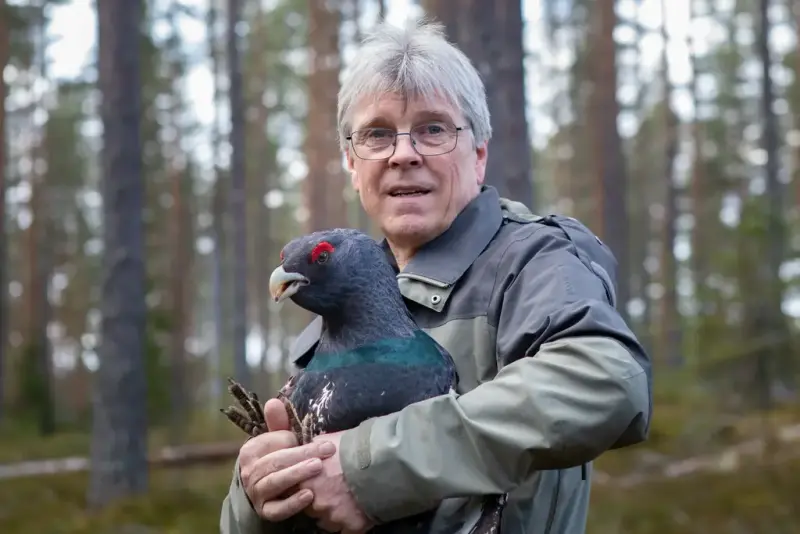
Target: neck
{"type": "Point", "coordinates": [368, 317]}
{"type": "Point", "coordinates": [402, 254]}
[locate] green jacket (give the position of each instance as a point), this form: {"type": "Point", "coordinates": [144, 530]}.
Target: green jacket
{"type": "Point", "coordinates": [550, 378]}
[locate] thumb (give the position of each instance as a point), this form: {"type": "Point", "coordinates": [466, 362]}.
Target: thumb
{"type": "Point", "coordinates": [276, 415]}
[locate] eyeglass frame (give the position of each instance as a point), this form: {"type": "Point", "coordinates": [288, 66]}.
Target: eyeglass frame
{"type": "Point", "coordinates": [413, 144]}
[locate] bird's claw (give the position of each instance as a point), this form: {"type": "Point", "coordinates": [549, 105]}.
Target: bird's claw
{"type": "Point", "coordinates": [252, 420]}
{"type": "Point", "coordinates": [302, 430]}
{"type": "Point", "coordinates": [306, 430]}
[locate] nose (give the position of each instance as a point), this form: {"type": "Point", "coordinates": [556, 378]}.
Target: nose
{"type": "Point", "coordinates": [404, 153]}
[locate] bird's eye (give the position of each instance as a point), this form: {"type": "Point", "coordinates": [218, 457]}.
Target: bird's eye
{"type": "Point", "coordinates": [322, 248]}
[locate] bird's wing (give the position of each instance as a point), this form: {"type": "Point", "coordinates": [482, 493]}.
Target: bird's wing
{"type": "Point", "coordinates": [450, 364]}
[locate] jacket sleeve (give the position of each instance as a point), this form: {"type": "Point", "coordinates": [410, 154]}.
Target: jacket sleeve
{"type": "Point", "coordinates": [238, 515]}
{"type": "Point", "coordinates": [573, 383]}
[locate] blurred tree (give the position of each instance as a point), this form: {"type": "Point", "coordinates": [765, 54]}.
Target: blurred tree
{"type": "Point", "coordinates": [236, 199]}
{"type": "Point", "coordinates": [670, 338]}
{"type": "Point", "coordinates": [325, 181]}
{"type": "Point", "coordinates": [5, 45]}
{"type": "Point", "coordinates": [776, 360]}
{"type": "Point", "coordinates": [220, 272]}
{"type": "Point", "coordinates": [119, 434]}
{"type": "Point", "coordinates": [610, 168]}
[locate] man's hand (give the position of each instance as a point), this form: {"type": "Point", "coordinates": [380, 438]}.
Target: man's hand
{"type": "Point", "coordinates": [271, 465]}
{"type": "Point", "coordinates": [333, 505]}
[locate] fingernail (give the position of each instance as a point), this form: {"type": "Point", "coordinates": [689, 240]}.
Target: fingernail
{"type": "Point", "coordinates": [327, 448]}
{"type": "Point", "coordinates": [306, 495]}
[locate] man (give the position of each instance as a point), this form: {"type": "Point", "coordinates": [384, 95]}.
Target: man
{"type": "Point", "coordinates": [550, 375]}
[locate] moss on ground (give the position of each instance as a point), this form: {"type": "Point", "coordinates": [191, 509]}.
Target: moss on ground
{"type": "Point", "coordinates": [185, 501]}
{"type": "Point", "coordinates": [757, 499]}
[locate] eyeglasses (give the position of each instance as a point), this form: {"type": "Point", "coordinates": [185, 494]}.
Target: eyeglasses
{"type": "Point", "coordinates": [429, 139]}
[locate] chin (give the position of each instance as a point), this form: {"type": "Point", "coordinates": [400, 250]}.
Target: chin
{"type": "Point", "coordinates": [416, 228]}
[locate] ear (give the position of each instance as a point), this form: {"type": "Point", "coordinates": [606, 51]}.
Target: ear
{"type": "Point", "coordinates": [481, 156]}
{"type": "Point", "coordinates": [352, 169]}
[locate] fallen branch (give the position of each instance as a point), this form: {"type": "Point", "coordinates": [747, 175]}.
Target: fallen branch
{"type": "Point", "coordinates": [178, 456]}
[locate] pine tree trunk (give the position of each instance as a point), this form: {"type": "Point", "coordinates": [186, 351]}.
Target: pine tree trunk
{"type": "Point", "coordinates": [4, 55]}
{"type": "Point", "coordinates": [670, 315]}
{"type": "Point", "coordinates": [119, 433]}
{"type": "Point", "coordinates": [611, 174]}
{"type": "Point", "coordinates": [237, 205]}
{"type": "Point", "coordinates": [325, 183]}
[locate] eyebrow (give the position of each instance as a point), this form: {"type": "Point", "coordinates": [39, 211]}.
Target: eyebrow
{"type": "Point", "coordinates": [374, 122]}
{"type": "Point", "coordinates": [382, 122]}
{"type": "Point", "coordinates": [433, 115]}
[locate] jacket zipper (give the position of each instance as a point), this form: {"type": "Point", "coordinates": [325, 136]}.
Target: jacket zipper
{"type": "Point", "coordinates": [553, 505]}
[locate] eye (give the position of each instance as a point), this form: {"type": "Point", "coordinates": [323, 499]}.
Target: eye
{"type": "Point", "coordinates": [433, 129]}
{"type": "Point", "coordinates": [321, 252]}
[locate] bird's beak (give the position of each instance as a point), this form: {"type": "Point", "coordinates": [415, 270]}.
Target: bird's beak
{"type": "Point", "coordinates": [283, 285]}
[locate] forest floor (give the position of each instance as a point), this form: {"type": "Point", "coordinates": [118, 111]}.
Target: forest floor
{"type": "Point", "coordinates": [736, 488]}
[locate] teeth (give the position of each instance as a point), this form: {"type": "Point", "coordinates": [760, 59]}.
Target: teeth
{"type": "Point", "coordinates": [408, 193]}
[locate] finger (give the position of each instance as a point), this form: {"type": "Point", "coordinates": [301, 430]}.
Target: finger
{"type": "Point", "coordinates": [285, 458]}
{"type": "Point", "coordinates": [284, 509]}
{"type": "Point", "coordinates": [277, 483]}
{"type": "Point", "coordinates": [265, 444]}
{"type": "Point", "coordinates": [276, 415]}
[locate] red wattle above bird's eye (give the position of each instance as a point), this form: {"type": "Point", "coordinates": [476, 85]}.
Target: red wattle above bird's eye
{"type": "Point", "coordinates": [281, 256]}
{"type": "Point", "coordinates": [322, 246]}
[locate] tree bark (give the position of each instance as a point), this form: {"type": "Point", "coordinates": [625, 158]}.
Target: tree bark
{"type": "Point", "coordinates": [237, 204]}
{"type": "Point", "coordinates": [119, 434]}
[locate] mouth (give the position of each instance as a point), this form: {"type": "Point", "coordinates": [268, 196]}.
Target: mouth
{"type": "Point", "coordinates": [283, 285]}
{"type": "Point", "coordinates": [409, 191]}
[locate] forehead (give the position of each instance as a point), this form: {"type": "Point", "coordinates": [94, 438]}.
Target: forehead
{"type": "Point", "coordinates": [395, 109]}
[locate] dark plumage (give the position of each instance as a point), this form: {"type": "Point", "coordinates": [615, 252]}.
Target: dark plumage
{"type": "Point", "coordinates": [372, 359]}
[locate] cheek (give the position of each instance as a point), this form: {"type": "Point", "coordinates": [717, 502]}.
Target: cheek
{"type": "Point", "coordinates": [450, 176]}
{"type": "Point", "coordinates": [367, 182]}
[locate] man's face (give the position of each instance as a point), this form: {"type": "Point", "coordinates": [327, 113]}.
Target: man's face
{"type": "Point", "coordinates": [445, 183]}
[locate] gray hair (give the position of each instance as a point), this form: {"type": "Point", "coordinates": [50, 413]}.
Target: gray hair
{"type": "Point", "coordinates": [414, 61]}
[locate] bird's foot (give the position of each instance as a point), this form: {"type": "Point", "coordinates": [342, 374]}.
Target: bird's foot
{"type": "Point", "coordinates": [252, 420]}
{"type": "Point", "coordinates": [306, 430]}
{"type": "Point", "coordinates": [301, 429]}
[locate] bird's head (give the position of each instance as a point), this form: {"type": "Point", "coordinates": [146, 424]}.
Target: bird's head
{"type": "Point", "coordinates": [322, 270]}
